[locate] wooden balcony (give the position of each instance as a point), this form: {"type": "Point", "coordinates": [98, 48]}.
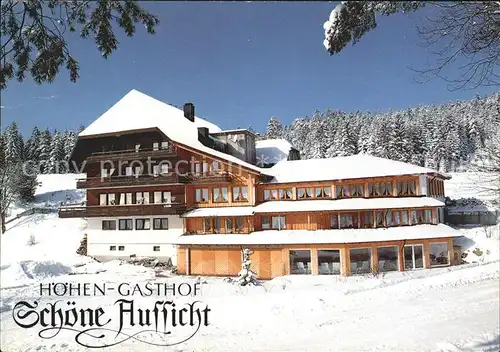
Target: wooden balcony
{"type": "Point", "coordinates": [126, 181]}
{"type": "Point", "coordinates": [130, 154]}
{"type": "Point", "coordinates": [121, 210]}
{"type": "Point", "coordinates": [220, 177]}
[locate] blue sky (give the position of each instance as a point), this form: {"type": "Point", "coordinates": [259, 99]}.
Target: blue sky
{"type": "Point", "coordinates": [239, 63]}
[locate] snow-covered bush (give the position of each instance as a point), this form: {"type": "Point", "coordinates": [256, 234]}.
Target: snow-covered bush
{"type": "Point", "coordinates": [32, 240]}
{"type": "Point", "coordinates": [246, 276]}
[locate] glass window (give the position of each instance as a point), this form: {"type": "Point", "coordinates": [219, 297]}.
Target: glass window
{"type": "Point", "coordinates": [164, 145]}
{"type": "Point", "coordinates": [388, 258]}
{"type": "Point", "coordinates": [413, 257]}
{"type": "Point", "coordinates": [357, 190]}
{"type": "Point", "coordinates": [112, 248]}
{"type": "Point", "coordinates": [328, 262]}
{"type": "Point", "coordinates": [156, 146]}
{"type": "Point", "coordinates": [288, 193]}
{"type": "Point", "coordinates": [404, 217]}
{"type": "Point", "coordinates": [388, 218]}
{"type": "Point", "coordinates": [278, 222]}
{"type": "Point", "coordinates": [121, 248]}
{"type": "Point", "coordinates": [327, 191]}
{"type": "Point", "coordinates": [207, 225]}
{"type": "Point", "coordinates": [396, 219]}
{"type": "Point", "coordinates": [334, 221]}
{"type": "Point", "coordinates": [160, 224]}
{"type": "Point", "coordinates": [238, 224]}
{"type": "Point", "coordinates": [156, 248]}
{"type": "Point", "coordinates": [300, 262]}
{"type": "Point", "coordinates": [274, 194]}
{"type": "Point", "coordinates": [109, 224]}
{"type": "Point", "coordinates": [240, 193]}
{"type": "Point", "coordinates": [267, 194]}
{"type": "Point", "coordinates": [205, 167]}
{"type": "Point", "coordinates": [428, 216]}
{"type": "Point", "coordinates": [301, 193]}
{"type": "Point", "coordinates": [125, 224]}
{"type": "Point", "coordinates": [266, 222]}
{"type": "Point", "coordinates": [201, 195]}
{"type": "Point", "coordinates": [224, 194]}
{"type": "Point", "coordinates": [360, 260]}
{"type": "Point", "coordinates": [348, 221]}
{"type": "Point", "coordinates": [379, 219]}
{"type": "Point", "coordinates": [367, 219]}
{"type": "Point", "coordinates": [438, 253]}
{"type": "Point", "coordinates": [216, 194]}
{"type": "Point", "coordinates": [217, 226]}
{"type": "Point", "coordinates": [215, 166]}
{"type": "Point", "coordinates": [229, 225]}
{"type": "Point", "coordinates": [142, 224]}
{"type": "Point", "coordinates": [413, 217]}
{"type": "Point", "coordinates": [309, 192]}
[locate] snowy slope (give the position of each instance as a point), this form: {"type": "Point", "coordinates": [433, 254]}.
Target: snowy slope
{"type": "Point", "coordinates": [445, 309]}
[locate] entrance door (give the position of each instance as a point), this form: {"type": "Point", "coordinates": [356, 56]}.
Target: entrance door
{"type": "Point", "coordinates": [414, 256]}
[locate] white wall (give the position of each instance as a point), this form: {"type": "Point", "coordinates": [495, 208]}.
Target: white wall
{"type": "Point", "coordinates": [138, 242]}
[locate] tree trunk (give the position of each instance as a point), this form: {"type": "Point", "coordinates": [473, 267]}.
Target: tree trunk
{"type": "Point", "coordinates": [2, 223]}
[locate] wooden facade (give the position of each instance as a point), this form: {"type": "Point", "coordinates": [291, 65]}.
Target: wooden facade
{"type": "Point", "coordinates": [270, 261]}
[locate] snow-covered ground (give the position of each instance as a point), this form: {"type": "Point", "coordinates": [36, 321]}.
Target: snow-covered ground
{"type": "Point", "coordinates": [470, 185]}
{"type": "Point", "coordinates": [446, 309]}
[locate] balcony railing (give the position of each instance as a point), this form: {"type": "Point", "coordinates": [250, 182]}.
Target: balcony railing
{"type": "Point", "coordinates": [117, 181]}
{"type": "Point", "coordinates": [128, 154]}
{"type": "Point", "coordinates": [220, 177]}
{"type": "Point", "coordinates": [121, 210]}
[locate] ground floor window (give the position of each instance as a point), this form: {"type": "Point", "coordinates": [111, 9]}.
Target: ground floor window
{"type": "Point", "coordinates": [438, 253]}
{"type": "Point", "coordinates": [328, 262]}
{"type": "Point", "coordinates": [156, 248]}
{"type": "Point", "coordinates": [361, 260]}
{"type": "Point", "coordinates": [126, 224]}
{"type": "Point", "coordinates": [414, 256]}
{"type": "Point", "coordinates": [160, 224]}
{"type": "Point", "coordinates": [300, 261]}
{"type": "Point", "coordinates": [387, 258]}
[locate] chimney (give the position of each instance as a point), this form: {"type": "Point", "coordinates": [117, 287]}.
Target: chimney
{"type": "Point", "coordinates": [189, 111]}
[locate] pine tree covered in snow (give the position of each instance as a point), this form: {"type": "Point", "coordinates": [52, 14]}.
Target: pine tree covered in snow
{"type": "Point", "coordinates": [445, 137]}
{"type": "Point", "coordinates": [246, 276]}
{"type": "Point", "coordinates": [274, 128]}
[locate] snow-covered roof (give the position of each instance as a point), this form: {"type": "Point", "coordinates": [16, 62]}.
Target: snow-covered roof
{"type": "Point", "coordinates": [220, 211]}
{"type": "Point", "coordinates": [269, 237]}
{"type": "Point", "coordinates": [138, 111]}
{"type": "Point", "coordinates": [272, 151]}
{"type": "Point", "coordinates": [346, 204]}
{"type": "Point", "coordinates": [342, 168]}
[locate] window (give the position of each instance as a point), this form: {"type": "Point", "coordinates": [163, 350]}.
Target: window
{"type": "Point", "coordinates": [163, 197]}
{"type": "Point", "coordinates": [357, 190]}
{"type": "Point", "coordinates": [137, 171]}
{"type": "Point", "coordinates": [163, 168]}
{"type": "Point", "coordinates": [404, 217]}
{"type": "Point", "coordinates": [156, 248]}
{"type": "Point", "coordinates": [240, 194]}
{"type": "Point", "coordinates": [367, 219]}
{"type": "Point", "coordinates": [160, 224]}
{"type": "Point", "coordinates": [220, 194]}
{"type": "Point", "coordinates": [142, 224]}
{"type": "Point", "coordinates": [374, 190]}
{"type": "Point", "coordinates": [428, 216]}
{"type": "Point", "coordinates": [388, 258]}
{"type": "Point", "coordinates": [128, 171]}
{"type": "Point", "coordinates": [215, 166]}
{"type": "Point", "coordinates": [438, 253]}
{"type": "Point", "coordinates": [348, 221]}
{"type": "Point", "coordinates": [205, 167]}
{"type": "Point", "coordinates": [104, 173]}
{"type": "Point", "coordinates": [413, 257]}
{"type": "Point", "coordinates": [309, 192]}
{"type": "Point", "coordinates": [300, 262]}
{"type": "Point", "coordinates": [361, 260]}
{"type": "Point", "coordinates": [142, 198]}
{"type": "Point", "coordinates": [388, 218]}
{"type": "Point", "coordinates": [334, 221]}
{"type": "Point", "coordinates": [125, 198]}
{"type": "Point", "coordinates": [417, 217]}
{"type": "Point", "coordinates": [156, 146]}
{"type": "Point", "coordinates": [328, 262]}
{"type": "Point", "coordinates": [379, 219]}
{"type": "Point", "coordinates": [266, 223]}
{"type": "Point", "coordinates": [406, 188]}
{"type": "Point", "coordinates": [137, 147]}
{"type": "Point", "coordinates": [156, 170]}
{"type": "Point", "coordinates": [285, 193]}
{"type": "Point", "coordinates": [238, 226]}
{"type": "Point", "coordinates": [112, 248]}
{"type": "Point", "coordinates": [323, 192]}
{"type": "Point", "coordinates": [217, 226]}
{"type": "Point", "coordinates": [121, 248]}
{"type": "Point", "coordinates": [229, 225]}
{"type": "Point", "coordinates": [164, 145]}
{"type": "Point", "coordinates": [278, 222]}
{"type": "Point", "coordinates": [207, 225]}
{"type": "Point", "coordinates": [301, 193]}
{"type": "Point", "coordinates": [125, 224]}
{"type": "Point", "coordinates": [342, 191]}
{"type": "Point", "coordinates": [201, 195]}
{"type": "Point", "coordinates": [197, 168]}
{"type": "Point", "coordinates": [396, 219]}
{"type": "Point", "coordinates": [107, 199]}
{"type": "Point", "coordinates": [109, 224]}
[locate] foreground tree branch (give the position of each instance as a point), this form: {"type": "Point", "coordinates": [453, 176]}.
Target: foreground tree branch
{"type": "Point", "coordinates": [33, 34]}
{"type": "Point", "coordinates": [463, 35]}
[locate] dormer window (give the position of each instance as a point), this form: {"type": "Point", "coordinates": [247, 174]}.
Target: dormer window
{"type": "Point", "coordinates": [165, 145]}
{"type": "Point", "coordinates": [156, 146]}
